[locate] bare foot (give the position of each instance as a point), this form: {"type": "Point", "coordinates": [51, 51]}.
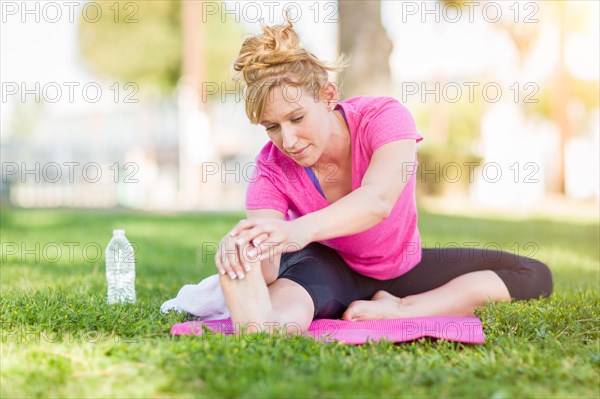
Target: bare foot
{"type": "Point", "coordinates": [382, 305]}
{"type": "Point", "coordinates": [248, 300]}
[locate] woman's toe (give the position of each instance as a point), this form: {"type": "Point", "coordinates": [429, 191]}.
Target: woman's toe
{"type": "Point", "coordinates": [382, 295]}
{"type": "Point", "coordinates": [352, 312]}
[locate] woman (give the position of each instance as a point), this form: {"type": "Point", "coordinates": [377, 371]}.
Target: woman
{"type": "Point", "coordinates": [332, 221]}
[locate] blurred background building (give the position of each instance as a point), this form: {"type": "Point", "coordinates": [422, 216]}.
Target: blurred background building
{"type": "Point", "coordinates": [131, 104]}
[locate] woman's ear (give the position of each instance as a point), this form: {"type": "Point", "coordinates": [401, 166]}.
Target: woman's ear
{"type": "Point", "coordinates": [330, 95]}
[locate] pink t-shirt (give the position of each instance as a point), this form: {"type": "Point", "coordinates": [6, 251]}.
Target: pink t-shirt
{"type": "Point", "coordinates": [384, 251]}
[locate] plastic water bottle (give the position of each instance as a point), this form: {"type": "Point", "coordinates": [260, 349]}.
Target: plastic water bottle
{"type": "Point", "coordinates": [120, 269]}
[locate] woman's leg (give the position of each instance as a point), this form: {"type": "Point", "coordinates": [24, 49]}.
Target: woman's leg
{"type": "Point", "coordinates": [454, 283]}
{"type": "Point", "coordinates": [256, 307]}
{"type": "Point", "coordinates": [459, 297]}
{"type": "Point", "coordinates": [312, 282]}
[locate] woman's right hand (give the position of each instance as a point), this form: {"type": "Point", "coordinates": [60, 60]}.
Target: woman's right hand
{"type": "Point", "coordinates": [232, 259]}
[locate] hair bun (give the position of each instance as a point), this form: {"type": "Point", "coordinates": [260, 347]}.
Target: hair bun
{"type": "Point", "coordinates": [278, 44]}
{"type": "Point", "coordinates": [280, 38]}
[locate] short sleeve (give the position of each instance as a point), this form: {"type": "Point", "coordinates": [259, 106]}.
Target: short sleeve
{"type": "Point", "coordinates": [389, 121]}
{"type": "Point", "coordinates": [263, 193]}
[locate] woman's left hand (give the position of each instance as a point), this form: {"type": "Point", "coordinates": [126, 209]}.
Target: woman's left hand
{"type": "Point", "coordinates": [272, 236]}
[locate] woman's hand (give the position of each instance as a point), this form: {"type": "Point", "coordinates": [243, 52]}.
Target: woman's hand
{"type": "Point", "coordinates": [232, 259]}
{"type": "Point", "coordinates": [271, 236]}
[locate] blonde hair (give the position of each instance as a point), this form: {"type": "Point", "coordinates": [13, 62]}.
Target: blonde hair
{"type": "Point", "coordinates": [275, 58]}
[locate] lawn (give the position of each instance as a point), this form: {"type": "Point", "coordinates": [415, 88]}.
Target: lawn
{"type": "Point", "coordinates": [60, 339]}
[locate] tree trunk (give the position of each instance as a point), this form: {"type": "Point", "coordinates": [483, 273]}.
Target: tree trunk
{"type": "Point", "coordinates": [560, 104]}
{"type": "Point", "coordinates": [363, 37]}
{"type": "Point", "coordinates": [193, 48]}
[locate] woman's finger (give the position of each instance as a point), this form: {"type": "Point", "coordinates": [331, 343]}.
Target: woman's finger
{"type": "Point", "coordinates": [271, 246]}
{"type": "Point", "coordinates": [236, 228]}
{"type": "Point", "coordinates": [221, 262]}
{"type": "Point", "coordinates": [276, 246]}
{"type": "Point", "coordinates": [248, 236]}
{"type": "Point", "coordinates": [248, 254]}
{"type": "Point", "coordinates": [259, 239]}
{"type": "Point", "coordinates": [225, 257]}
{"type": "Point", "coordinates": [234, 259]}
{"type": "Point", "coordinates": [242, 225]}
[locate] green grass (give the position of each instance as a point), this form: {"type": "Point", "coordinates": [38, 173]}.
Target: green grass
{"type": "Point", "coordinates": [60, 339]}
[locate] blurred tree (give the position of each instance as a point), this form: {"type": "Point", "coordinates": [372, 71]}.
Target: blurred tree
{"type": "Point", "coordinates": [143, 42]}
{"type": "Point", "coordinates": [361, 34]}
{"type": "Point", "coordinates": [136, 42]}
{"type": "Point", "coordinates": [566, 88]}
{"type": "Point", "coordinates": [558, 93]}
{"type": "Point", "coordinates": [561, 100]}
{"type": "Point", "coordinates": [193, 69]}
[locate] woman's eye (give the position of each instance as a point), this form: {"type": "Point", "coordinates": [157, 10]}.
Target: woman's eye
{"type": "Point", "coordinates": [293, 120]}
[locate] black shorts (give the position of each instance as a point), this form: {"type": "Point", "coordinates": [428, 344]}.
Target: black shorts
{"type": "Point", "coordinates": [333, 285]}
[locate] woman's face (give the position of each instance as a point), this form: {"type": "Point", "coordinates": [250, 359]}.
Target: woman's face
{"type": "Point", "coordinates": [297, 123]}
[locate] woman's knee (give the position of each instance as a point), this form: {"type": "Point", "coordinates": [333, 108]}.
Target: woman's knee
{"type": "Point", "coordinates": [543, 278]}
{"type": "Point", "coordinates": [533, 279]}
{"type": "Point", "coordinates": [293, 307]}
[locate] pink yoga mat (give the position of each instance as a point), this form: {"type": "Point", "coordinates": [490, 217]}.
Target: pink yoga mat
{"type": "Point", "coordinates": [450, 328]}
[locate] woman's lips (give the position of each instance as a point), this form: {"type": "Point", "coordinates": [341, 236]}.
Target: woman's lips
{"type": "Point", "coordinates": [300, 152]}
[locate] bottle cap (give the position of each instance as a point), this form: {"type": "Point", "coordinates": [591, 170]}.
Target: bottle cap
{"type": "Point", "coordinates": [118, 232]}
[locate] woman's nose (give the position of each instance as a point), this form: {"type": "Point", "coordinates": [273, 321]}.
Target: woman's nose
{"type": "Point", "coordinates": [289, 139]}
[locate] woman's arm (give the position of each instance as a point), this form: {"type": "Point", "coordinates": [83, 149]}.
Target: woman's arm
{"type": "Point", "coordinates": [391, 166]}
